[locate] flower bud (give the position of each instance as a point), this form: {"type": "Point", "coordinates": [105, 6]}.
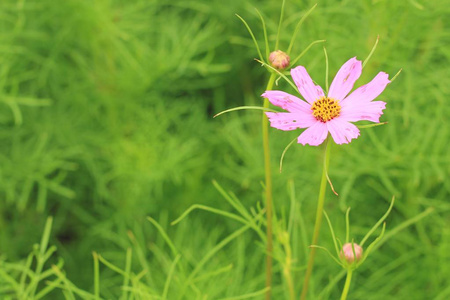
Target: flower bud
{"type": "Point", "coordinates": [279, 60]}
{"type": "Point", "coordinates": [347, 252]}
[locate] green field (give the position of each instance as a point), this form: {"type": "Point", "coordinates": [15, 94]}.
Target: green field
{"type": "Point", "coordinates": [107, 136]}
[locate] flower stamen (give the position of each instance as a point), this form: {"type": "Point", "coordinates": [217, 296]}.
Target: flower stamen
{"type": "Point", "coordinates": [325, 109]}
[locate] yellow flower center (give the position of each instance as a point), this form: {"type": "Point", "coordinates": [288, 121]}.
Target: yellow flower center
{"type": "Point", "coordinates": [325, 109]}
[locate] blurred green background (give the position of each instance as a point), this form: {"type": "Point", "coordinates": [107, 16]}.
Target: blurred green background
{"type": "Point", "coordinates": [106, 118]}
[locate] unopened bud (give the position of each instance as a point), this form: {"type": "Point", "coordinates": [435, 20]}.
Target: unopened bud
{"type": "Point", "coordinates": [279, 60]}
{"type": "Point", "coordinates": [347, 252]}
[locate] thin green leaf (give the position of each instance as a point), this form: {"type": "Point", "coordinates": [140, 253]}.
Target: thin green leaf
{"type": "Point", "coordinates": [284, 152]}
{"type": "Point", "coordinates": [332, 232]}
{"type": "Point", "coordinates": [326, 68]}
{"type": "Point", "coordinates": [169, 277]}
{"type": "Point", "coordinates": [164, 235]}
{"type": "Point", "coordinates": [404, 225]}
{"type": "Point", "coordinates": [347, 225]}
{"type": "Point", "coordinates": [378, 223]}
{"type": "Point", "coordinates": [395, 76]}
{"type": "Point", "coordinates": [233, 200]}
{"type": "Point", "coordinates": [46, 236]}
{"type": "Point", "coordinates": [340, 245]}
{"type": "Point", "coordinates": [126, 278]}
{"type": "Point", "coordinates": [266, 40]}
{"type": "Point", "coordinates": [252, 35]}
{"type": "Point", "coordinates": [326, 163]}
{"type": "Point", "coordinates": [69, 286]}
{"type": "Point", "coordinates": [210, 209]}
{"type": "Point", "coordinates": [96, 276]}
{"type": "Point", "coordinates": [327, 251]}
{"type": "Point", "coordinates": [297, 28]}
{"type": "Point", "coordinates": [327, 289]}
{"type": "Point", "coordinates": [279, 24]}
{"type": "Point", "coordinates": [330, 183]}
{"type": "Point", "coordinates": [211, 253]}
{"type": "Point", "coordinates": [353, 251]}
{"type": "Point", "coordinates": [371, 125]}
{"type": "Point", "coordinates": [243, 108]}
{"type": "Point", "coordinates": [293, 62]}
{"type": "Point", "coordinates": [371, 52]}
{"type": "Point", "coordinates": [372, 245]}
{"type": "Point", "coordinates": [51, 285]}
{"type": "Point", "coordinates": [111, 266]}
{"type": "Point", "coordinates": [208, 275]}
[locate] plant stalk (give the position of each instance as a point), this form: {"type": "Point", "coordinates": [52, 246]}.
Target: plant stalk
{"type": "Point", "coordinates": [319, 215]}
{"type": "Point", "coordinates": [347, 284]}
{"type": "Point", "coordinates": [268, 179]}
{"type": "Point", "coordinates": [287, 272]}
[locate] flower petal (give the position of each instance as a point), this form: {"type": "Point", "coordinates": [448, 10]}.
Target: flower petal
{"type": "Point", "coordinates": [314, 135]}
{"type": "Point", "coordinates": [290, 121]}
{"type": "Point", "coordinates": [342, 131]}
{"type": "Point", "coordinates": [370, 111]}
{"type": "Point", "coordinates": [305, 85]}
{"type": "Point", "coordinates": [287, 101]}
{"type": "Point", "coordinates": [369, 91]}
{"type": "Point", "coordinates": [345, 79]}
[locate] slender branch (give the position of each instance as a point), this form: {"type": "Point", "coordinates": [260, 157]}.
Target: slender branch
{"type": "Point", "coordinates": [319, 214]}
{"type": "Point", "coordinates": [348, 280]}
{"type": "Point", "coordinates": [268, 179]}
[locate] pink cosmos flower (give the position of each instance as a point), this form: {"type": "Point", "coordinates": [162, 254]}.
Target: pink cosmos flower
{"type": "Point", "coordinates": [333, 113]}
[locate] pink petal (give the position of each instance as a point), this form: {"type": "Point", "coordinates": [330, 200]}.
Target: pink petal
{"type": "Point", "coordinates": [287, 101]}
{"type": "Point", "coordinates": [305, 85]}
{"type": "Point", "coordinates": [290, 121]}
{"type": "Point", "coordinates": [342, 131]}
{"type": "Point", "coordinates": [370, 111]}
{"type": "Point", "coordinates": [345, 79]}
{"type": "Point", "coordinates": [369, 91]}
{"type": "Point", "coordinates": [314, 135]}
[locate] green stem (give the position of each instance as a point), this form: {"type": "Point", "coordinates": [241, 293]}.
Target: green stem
{"type": "Point", "coordinates": [288, 271]}
{"type": "Point", "coordinates": [319, 214]}
{"type": "Point", "coordinates": [347, 284]}
{"type": "Point", "coordinates": [268, 178]}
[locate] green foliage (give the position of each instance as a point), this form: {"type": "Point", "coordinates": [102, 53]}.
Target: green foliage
{"type": "Point", "coordinates": [106, 124]}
